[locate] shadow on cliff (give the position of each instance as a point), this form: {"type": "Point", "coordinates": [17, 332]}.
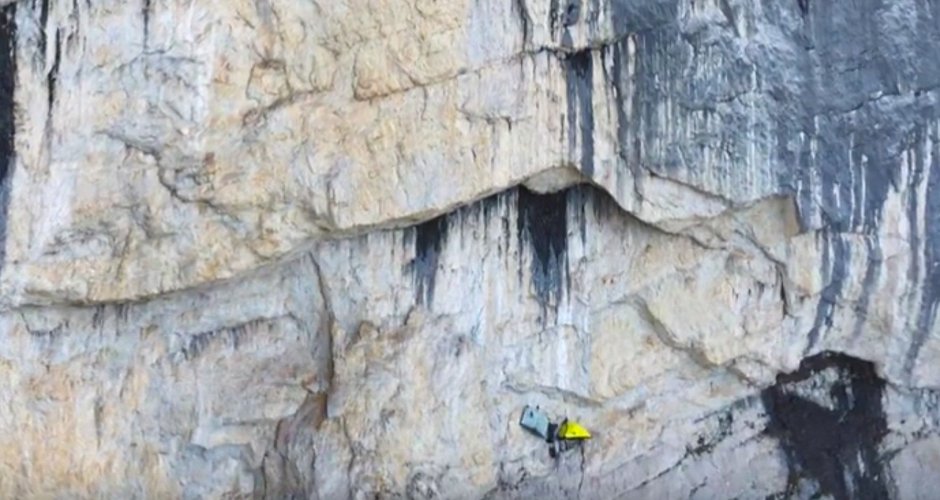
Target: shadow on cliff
{"type": "Point", "coordinates": [829, 420]}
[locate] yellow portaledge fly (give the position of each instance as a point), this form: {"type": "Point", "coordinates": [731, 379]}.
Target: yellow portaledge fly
{"type": "Point", "coordinates": [560, 437]}
{"type": "Point", "coordinates": [572, 430]}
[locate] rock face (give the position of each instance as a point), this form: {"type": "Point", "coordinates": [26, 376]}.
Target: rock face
{"type": "Point", "coordinates": [329, 250]}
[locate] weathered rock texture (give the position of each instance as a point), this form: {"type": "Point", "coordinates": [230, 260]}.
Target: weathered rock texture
{"type": "Point", "coordinates": [329, 249]}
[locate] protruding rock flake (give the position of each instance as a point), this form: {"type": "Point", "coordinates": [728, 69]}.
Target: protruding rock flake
{"type": "Point", "coordinates": [311, 249]}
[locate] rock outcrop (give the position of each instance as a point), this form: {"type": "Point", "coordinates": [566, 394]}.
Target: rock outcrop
{"type": "Point", "coordinates": [330, 249]}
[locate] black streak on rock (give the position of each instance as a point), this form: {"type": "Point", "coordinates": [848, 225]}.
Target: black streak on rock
{"type": "Point", "coordinates": [53, 77]}
{"type": "Point", "coordinates": [631, 16]}
{"type": "Point", "coordinates": [930, 295]}
{"type": "Point", "coordinates": [627, 149]}
{"type": "Point", "coordinates": [916, 177]}
{"type": "Point", "coordinates": [872, 274]}
{"type": "Point", "coordinates": [579, 86]}
{"type": "Point", "coordinates": [593, 15]}
{"type": "Point", "coordinates": [543, 224]}
{"type": "Point", "coordinates": [602, 208]}
{"type": "Point", "coordinates": [835, 267]}
{"type": "Point", "coordinates": [572, 13]}
{"type": "Point", "coordinates": [7, 114]}
{"type": "Point", "coordinates": [837, 446]}
{"type": "Point", "coordinates": [706, 443]}
{"type": "Point", "coordinates": [616, 78]}
{"type": "Point", "coordinates": [880, 175]}
{"type": "Point", "coordinates": [43, 21]}
{"type": "Point", "coordinates": [230, 337]}
{"type": "Point", "coordinates": [145, 13]}
{"type": "Point", "coordinates": [429, 239]}
{"type": "Point", "coordinates": [578, 202]}
{"type": "Point", "coordinates": [849, 159]}
{"type": "Point", "coordinates": [553, 16]}
{"type": "Point", "coordinates": [7, 88]}
{"type": "Point", "coordinates": [804, 6]}
{"type": "Point", "coordinates": [654, 80]}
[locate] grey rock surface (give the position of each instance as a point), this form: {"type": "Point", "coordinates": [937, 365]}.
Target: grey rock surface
{"type": "Point", "coordinates": [331, 249]}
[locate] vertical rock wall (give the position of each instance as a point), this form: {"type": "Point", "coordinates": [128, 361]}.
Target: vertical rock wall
{"type": "Point", "coordinates": [330, 249]}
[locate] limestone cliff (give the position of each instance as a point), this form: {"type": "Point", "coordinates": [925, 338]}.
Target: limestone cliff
{"type": "Point", "coordinates": [330, 249]}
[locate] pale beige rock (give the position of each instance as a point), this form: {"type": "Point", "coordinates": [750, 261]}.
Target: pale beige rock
{"type": "Point", "coordinates": [180, 399]}
{"type": "Point", "coordinates": [239, 132]}
{"type": "Point", "coordinates": [913, 465]}
{"type": "Point", "coordinates": [626, 353]}
{"type": "Point", "coordinates": [223, 272]}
